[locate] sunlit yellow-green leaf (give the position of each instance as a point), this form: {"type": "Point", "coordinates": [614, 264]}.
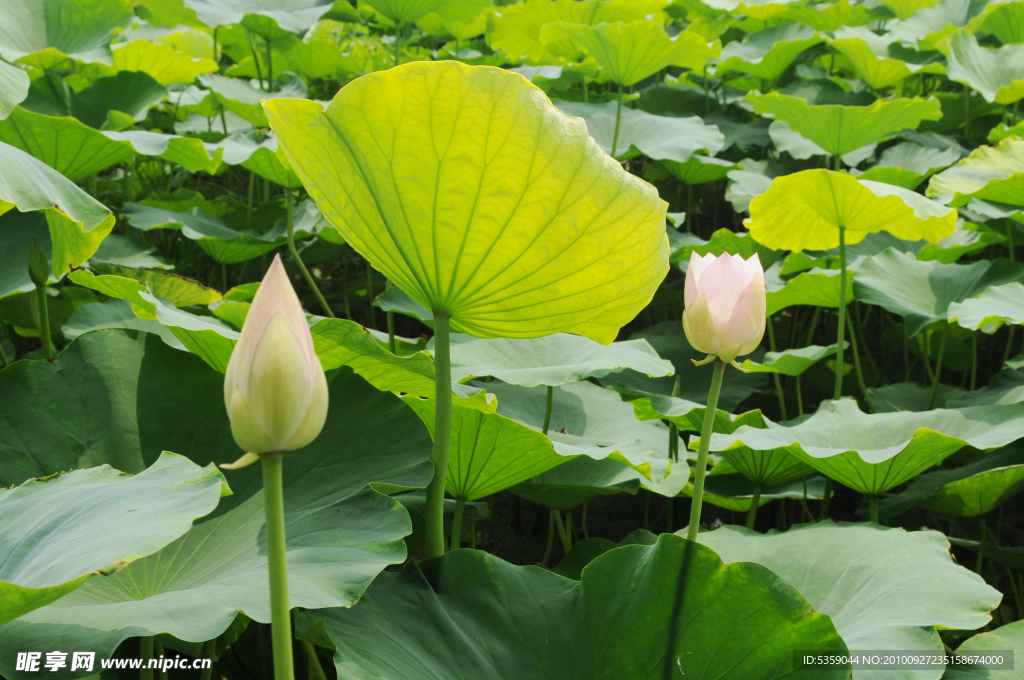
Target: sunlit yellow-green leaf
{"type": "Point", "coordinates": [631, 51]}
{"type": "Point", "coordinates": [416, 169]}
{"type": "Point", "coordinates": [804, 211]}
{"type": "Point", "coordinates": [1004, 20]}
{"type": "Point", "coordinates": [869, 56]}
{"type": "Point", "coordinates": [998, 75]}
{"type": "Point", "coordinates": [404, 11]}
{"type": "Point", "coordinates": [841, 129]}
{"type": "Point", "coordinates": [164, 63]}
{"type": "Point", "coordinates": [989, 173]}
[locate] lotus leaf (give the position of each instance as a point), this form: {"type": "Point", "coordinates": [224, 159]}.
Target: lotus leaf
{"type": "Point", "coordinates": [267, 18]}
{"type": "Point", "coordinates": [630, 615]}
{"type": "Point", "coordinates": [1010, 636]}
{"type": "Point", "coordinates": [998, 75]}
{"type": "Point", "coordinates": [768, 53]}
{"type": "Point", "coordinates": [791, 361]}
{"type": "Point", "coordinates": [14, 85]}
{"type": "Point", "coordinates": [162, 62]}
{"type": "Point", "coordinates": [60, 530]}
{"type": "Point", "coordinates": [610, 243]}
{"type": "Point", "coordinates": [841, 129]}
{"type": "Point", "coordinates": [883, 588]}
{"type": "Point", "coordinates": [805, 210]}
{"type": "Point", "coordinates": [989, 173]}
{"type": "Point", "coordinates": [872, 453]}
{"type": "Point", "coordinates": [64, 28]}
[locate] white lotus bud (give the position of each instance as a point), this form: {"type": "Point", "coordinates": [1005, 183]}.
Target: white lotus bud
{"type": "Point", "coordinates": [724, 305]}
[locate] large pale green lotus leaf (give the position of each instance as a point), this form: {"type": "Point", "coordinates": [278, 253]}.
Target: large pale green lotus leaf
{"type": "Point", "coordinates": [791, 361]}
{"type": "Point", "coordinates": [872, 453]}
{"type": "Point", "coordinates": [552, 360]}
{"type": "Point", "coordinates": [736, 493]}
{"type": "Point", "coordinates": [294, 16]}
{"type": "Point", "coordinates": [744, 186]}
{"type": "Point", "coordinates": [1005, 387]}
{"type": "Point", "coordinates": [58, 531]}
{"type": "Point", "coordinates": [817, 287]}
{"type": "Point", "coordinates": [804, 211]}
{"type": "Point", "coordinates": [461, 19]}
{"type": "Point", "coordinates": [543, 236]}
{"type": "Point", "coordinates": [761, 10]}
{"type": "Point", "coordinates": [77, 222]}
{"type": "Point", "coordinates": [14, 84]}
{"type": "Point", "coordinates": [669, 341]}
{"type": "Point", "coordinates": [1004, 20]}
{"type": "Point", "coordinates": [340, 533]}
{"type": "Point", "coordinates": [883, 588]}
{"type": "Point", "coordinates": [995, 306]}
{"type": "Point", "coordinates": [115, 314]}
{"type": "Point", "coordinates": [489, 452]}
{"type": "Point", "coordinates": [904, 9]}
{"type": "Point", "coordinates": [1010, 636]}
{"type": "Point", "coordinates": [989, 173]}
{"type": "Point", "coordinates": [841, 129]}
{"type": "Point", "coordinates": [641, 133]}
{"type": "Point", "coordinates": [997, 74]}
{"type": "Point", "coordinates": [629, 52]}
{"type": "Point", "coordinates": [121, 282]}
{"type": "Point", "coordinates": [911, 396]}
{"type": "Point", "coordinates": [699, 169]}
{"type": "Point", "coordinates": [799, 147]}
{"type": "Point", "coordinates": [868, 53]}
{"type": "Point", "coordinates": [638, 612]}
{"type": "Point", "coordinates": [189, 152]}
{"type": "Point", "coordinates": [923, 292]}
{"type": "Point", "coordinates": [971, 490]}
{"type": "Point", "coordinates": [908, 164]}
{"type": "Point", "coordinates": [577, 481]}
{"type": "Point", "coordinates": [219, 241]}
{"type": "Point", "coordinates": [162, 62]}
{"type": "Point", "coordinates": [934, 22]}
{"type": "Point", "coordinates": [123, 251]}
{"type": "Point", "coordinates": [725, 241]}
{"type": "Point", "coordinates": [404, 11]}
{"type": "Point", "coordinates": [245, 100]}
{"type": "Point", "coordinates": [834, 16]}
{"type": "Point", "coordinates": [768, 468]}
{"type": "Point", "coordinates": [768, 53]}
{"type": "Point", "coordinates": [76, 28]}
{"type": "Point", "coordinates": [687, 415]}
{"type": "Point", "coordinates": [589, 420]}
{"type": "Point", "coordinates": [517, 27]}
{"type": "Point", "coordinates": [100, 105]}
{"type": "Point", "coordinates": [70, 147]}
{"type": "Point", "coordinates": [272, 165]}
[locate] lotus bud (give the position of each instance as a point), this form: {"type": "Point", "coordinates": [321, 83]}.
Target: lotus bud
{"type": "Point", "coordinates": [274, 389]}
{"type": "Point", "coordinates": [724, 305]}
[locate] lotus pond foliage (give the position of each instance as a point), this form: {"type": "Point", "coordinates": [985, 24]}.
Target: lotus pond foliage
{"type": "Point", "coordinates": [624, 339]}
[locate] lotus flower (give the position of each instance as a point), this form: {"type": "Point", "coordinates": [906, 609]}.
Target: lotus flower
{"type": "Point", "coordinates": [274, 388]}
{"type": "Point", "coordinates": [724, 305]}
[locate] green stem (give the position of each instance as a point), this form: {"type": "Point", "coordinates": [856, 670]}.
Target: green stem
{"type": "Point", "coordinates": [938, 368]}
{"type": "Point", "coordinates": [873, 508]}
{"type": "Point", "coordinates": [158, 652]}
{"type": "Point", "coordinates": [1009, 344]}
{"type": "Point", "coordinates": [398, 45]}
{"type": "Point", "coordinates": [277, 566]}
{"type": "Point", "coordinates": [316, 671]}
{"type": "Point", "coordinates": [755, 503]}
{"type": "Point", "coordinates": [369, 296]}
{"type": "Point", "coordinates": [460, 507]}
{"type": "Point", "coordinates": [442, 435]}
{"type": "Point", "coordinates": [673, 429]}
{"type": "Point", "coordinates": [670, 513]}
{"type": "Point", "coordinates": [583, 521]}
{"type": "Point", "coordinates": [563, 535]}
{"type": "Point", "coordinates": [707, 427]}
{"type": "Point", "coordinates": [981, 547]}
{"type": "Point", "coordinates": [270, 67]}
{"type": "Point", "coordinates": [618, 123]}
{"type": "Point", "coordinates": [857, 370]}
{"type": "Point", "coordinates": [44, 322]}
{"type": "Point", "coordinates": [248, 206]}
{"type": "Point", "coordinates": [803, 503]}
{"type": "Point", "coordinates": [778, 381]}
{"type": "Point", "coordinates": [209, 649]}
{"type": "Point", "coordinates": [547, 410]}
{"type": "Point", "coordinates": [146, 652]}
{"type": "Point", "coordinates": [255, 58]}
{"type": "Point", "coordinates": [799, 400]}
{"type": "Point", "coordinates": [826, 499]}
{"type": "Point", "coordinates": [842, 313]}
{"type": "Point", "coordinates": [290, 205]}
{"type": "Point", "coordinates": [551, 538]}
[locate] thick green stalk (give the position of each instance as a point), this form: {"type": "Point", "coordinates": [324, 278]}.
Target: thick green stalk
{"type": "Point", "coordinates": [826, 499]}
{"type": "Point", "coordinates": [158, 653]}
{"type": "Point", "coordinates": [290, 206]}
{"type": "Point", "coordinates": [857, 370]}
{"type": "Point", "coordinates": [938, 368]}
{"type": "Point", "coordinates": [673, 430]}
{"type": "Point", "coordinates": [209, 649]}
{"type": "Point", "coordinates": [551, 538]}
{"type": "Point", "coordinates": [277, 565]}
{"type": "Point", "coordinates": [460, 508]}
{"type": "Point", "coordinates": [316, 671]}
{"type": "Point", "coordinates": [873, 508]}
{"type": "Point", "coordinates": [842, 313]}
{"type": "Point", "coordinates": [255, 58]}
{"type": "Point", "coordinates": [44, 322]}
{"type": "Point", "coordinates": [755, 503]}
{"type": "Point", "coordinates": [799, 400]}
{"type": "Point", "coordinates": [707, 427]}
{"type": "Point", "coordinates": [618, 123]}
{"type": "Point", "coordinates": [583, 521]}
{"type": "Point", "coordinates": [146, 652]}
{"type": "Point", "coordinates": [270, 67]}
{"type": "Point", "coordinates": [442, 435]}
{"type": "Point", "coordinates": [562, 533]}
{"type": "Point", "coordinates": [547, 410]}
{"type": "Point", "coordinates": [778, 381]}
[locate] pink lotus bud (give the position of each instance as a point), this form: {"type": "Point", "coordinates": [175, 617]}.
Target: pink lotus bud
{"type": "Point", "coordinates": [274, 388]}
{"type": "Point", "coordinates": [725, 305]}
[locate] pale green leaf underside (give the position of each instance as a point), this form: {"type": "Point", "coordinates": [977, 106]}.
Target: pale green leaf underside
{"type": "Point", "coordinates": [58, 531]}
{"type": "Point", "coordinates": [989, 173]}
{"type": "Point", "coordinates": [475, 196]}
{"type": "Point", "coordinates": [998, 75]}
